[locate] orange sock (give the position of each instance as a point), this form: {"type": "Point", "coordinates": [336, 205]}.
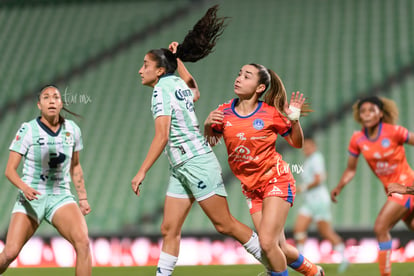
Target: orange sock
{"type": "Point", "coordinates": [304, 266]}
{"type": "Point", "coordinates": [384, 262]}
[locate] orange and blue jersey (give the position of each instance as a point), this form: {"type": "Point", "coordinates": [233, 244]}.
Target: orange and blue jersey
{"type": "Point", "coordinates": [385, 154]}
{"type": "Point", "coordinates": [250, 142]}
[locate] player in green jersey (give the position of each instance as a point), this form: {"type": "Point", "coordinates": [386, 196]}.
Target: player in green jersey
{"type": "Point", "coordinates": [195, 171]}
{"type": "Point", "coordinates": [49, 146]}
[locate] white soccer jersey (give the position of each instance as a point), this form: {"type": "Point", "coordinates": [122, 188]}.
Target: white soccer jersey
{"type": "Point", "coordinates": [172, 97]}
{"type": "Point", "coordinates": [315, 164]}
{"type": "Point", "coordinates": [47, 155]}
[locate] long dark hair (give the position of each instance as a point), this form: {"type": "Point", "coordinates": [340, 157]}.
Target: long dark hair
{"type": "Point", "coordinates": [61, 118]}
{"type": "Point", "coordinates": [197, 44]}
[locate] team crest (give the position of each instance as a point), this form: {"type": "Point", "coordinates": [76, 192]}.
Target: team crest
{"type": "Point", "coordinates": [385, 143]}
{"type": "Point", "coordinates": [69, 139]}
{"type": "Point", "coordinates": [258, 124]}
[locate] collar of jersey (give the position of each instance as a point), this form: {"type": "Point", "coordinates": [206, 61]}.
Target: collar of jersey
{"type": "Point", "coordinates": [48, 130]}
{"type": "Point", "coordinates": [378, 134]}
{"type": "Point", "coordinates": [233, 108]}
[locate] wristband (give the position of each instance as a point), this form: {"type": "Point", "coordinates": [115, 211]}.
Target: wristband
{"type": "Point", "coordinates": [294, 116]}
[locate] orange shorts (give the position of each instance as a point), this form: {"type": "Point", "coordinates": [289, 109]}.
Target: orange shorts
{"type": "Point", "coordinates": [404, 200]}
{"type": "Point", "coordinates": [284, 190]}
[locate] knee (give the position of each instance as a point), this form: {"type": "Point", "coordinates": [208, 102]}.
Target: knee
{"type": "Point", "coordinates": [10, 253]}
{"type": "Point", "coordinates": [81, 244]}
{"type": "Point", "coordinates": [223, 229]}
{"type": "Point", "coordinates": [168, 230]}
{"type": "Point", "coordinates": [267, 243]}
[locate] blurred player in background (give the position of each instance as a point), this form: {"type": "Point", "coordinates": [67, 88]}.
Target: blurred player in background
{"type": "Point", "coordinates": [250, 128]}
{"type": "Point", "coordinates": [195, 171]}
{"type": "Point", "coordinates": [381, 142]}
{"type": "Point", "coordinates": [317, 204]}
{"type": "Point", "coordinates": [50, 146]}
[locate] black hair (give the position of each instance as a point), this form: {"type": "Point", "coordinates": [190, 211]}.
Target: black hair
{"type": "Point", "coordinates": [372, 99]}
{"type": "Point", "coordinates": [197, 44]}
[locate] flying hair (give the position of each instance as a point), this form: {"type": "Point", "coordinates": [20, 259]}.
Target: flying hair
{"type": "Point", "coordinates": [197, 44]}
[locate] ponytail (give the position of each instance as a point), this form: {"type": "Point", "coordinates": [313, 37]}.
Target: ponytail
{"type": "Point", "coordinates": [276, 94]}
{"type": "Point", "coordinates": [197, 44]}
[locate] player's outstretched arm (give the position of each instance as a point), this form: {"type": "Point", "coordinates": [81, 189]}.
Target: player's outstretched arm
{"type": "Point", "coordinates": [347, 176]}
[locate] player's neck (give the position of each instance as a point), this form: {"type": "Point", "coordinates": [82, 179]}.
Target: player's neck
{"type": "Point", "coordinates": [51, 122]}
{"type": "Point", "coordinates": [246, 106]}
{"type": "Point", "coordinates": [372, 132]}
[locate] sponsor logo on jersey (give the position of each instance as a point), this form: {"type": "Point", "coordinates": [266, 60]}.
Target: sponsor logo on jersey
{"type": "Point", "coordinates": [385, 143]}
{"type": "Point", "coordinates": [228, 124]}
{"type": "Point", "coordinates": [182, 94]}
{"type": "Point", "coordinates": [241, 136]}
{"type": "Point", "coordinates": [258, 124]}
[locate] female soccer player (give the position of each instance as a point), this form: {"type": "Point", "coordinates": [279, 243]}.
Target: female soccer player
{"type": "Point", "coordinates": [317, 204]}
{"type": "Point", "coordinates": [250, 127]}
{"type": "Point", "coordinates": [381, 142]}
{"type": "Point", "coordinates": [50, 146]}
{"type": "Point", "coordinates": [195, 171]}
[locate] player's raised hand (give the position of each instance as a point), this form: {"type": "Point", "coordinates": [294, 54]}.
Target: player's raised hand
{"type": "Point", "coordinates": [173, 46]}
{"type": "Point", "coordinates": [295, 105]}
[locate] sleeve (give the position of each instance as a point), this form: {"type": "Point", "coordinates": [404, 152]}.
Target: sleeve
{"type": "Point", "coordinates": [353, 148]}
{"type": "Point", "coordinates": [161, 102]}
{"type": "Point", "coordinates": [78, 139]}
{"type": "Point", "coordinates": [21, 141]}
{"type": "Point", "coordinates": [281, 124]}
{"type": "Point", "coordinates": [401, 134]}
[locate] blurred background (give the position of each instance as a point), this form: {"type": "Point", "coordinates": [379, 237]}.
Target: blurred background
{"type": "Point", "coordinates": [333, 51]}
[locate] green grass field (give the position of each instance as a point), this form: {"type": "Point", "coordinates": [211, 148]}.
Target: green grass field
{"type": "Point", "coordinates": [399, 269]}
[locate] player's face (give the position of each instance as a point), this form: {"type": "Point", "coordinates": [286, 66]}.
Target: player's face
{"type": "Point", "coordinates": [149, 72]}
{"type": "Point", "coordinates": [50, 102]}
{"type": "Point", "coordinates": [370, 114]}
{"type": "Point", "coordinates": [247, 82]}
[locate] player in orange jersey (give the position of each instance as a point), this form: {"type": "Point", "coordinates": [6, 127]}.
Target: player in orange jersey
{"type": "Point", "coordinates": [381, 142]}
{"type": "Point", "coordinates": [250, 128]}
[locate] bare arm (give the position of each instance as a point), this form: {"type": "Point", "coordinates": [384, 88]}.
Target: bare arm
{"type": "Point", "coordinates": [160, 140]}
{"type": "Point", "coordinates": [295, 137]}
{"type": "Point", "coordinates": [76, 173]}
{"type": "Point", "coordinates": [215, 117]}
{"type": "Point", "coordinates": [12, 175]}
{"type": "Point", "coordinates": [347, 176]}
{"type": "Point", "coordinates": [185, 74]}
{"type": "Point", "coordinates": [316, 181]}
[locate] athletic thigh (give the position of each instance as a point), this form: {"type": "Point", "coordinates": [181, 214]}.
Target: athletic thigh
{"type": "Point", "coordinates": [70, 223]}
{"type": "Point", "coordinates": [21, 229]}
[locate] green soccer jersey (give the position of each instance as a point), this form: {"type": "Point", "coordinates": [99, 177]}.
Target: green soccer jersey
{"type": "Point", "coordinates": [172, 97]}
{"type": "Point", "coordinates": [47, 155]}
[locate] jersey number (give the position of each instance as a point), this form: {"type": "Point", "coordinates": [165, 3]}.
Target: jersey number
{"type": "Point", "coordinates": [56, 159]}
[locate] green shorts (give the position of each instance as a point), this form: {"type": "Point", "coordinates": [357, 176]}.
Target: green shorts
{"type": "Point", "coordinates": [199, 178]}
{"type": "Point", "coordinates": [317, 210]}
{"type": "Point", "coordinates": [42, 208]}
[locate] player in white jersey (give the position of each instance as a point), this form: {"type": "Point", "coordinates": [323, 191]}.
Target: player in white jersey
{"type": "Point", "coordinates": [317, 204]}
{"type": "Point", "coordinates": [49, 146]}
{"type": "Point", "coordinates": [195, 171]}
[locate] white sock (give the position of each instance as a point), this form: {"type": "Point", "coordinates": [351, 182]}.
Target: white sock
{"type": "Point", "coordinates": [253, 247]}
{"type": "Point", "coordinates": [166, 264]}
{"type": "Point", "coordinates": [300, 247]}
{"type": "Point", "coordinates": [340, 248]}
